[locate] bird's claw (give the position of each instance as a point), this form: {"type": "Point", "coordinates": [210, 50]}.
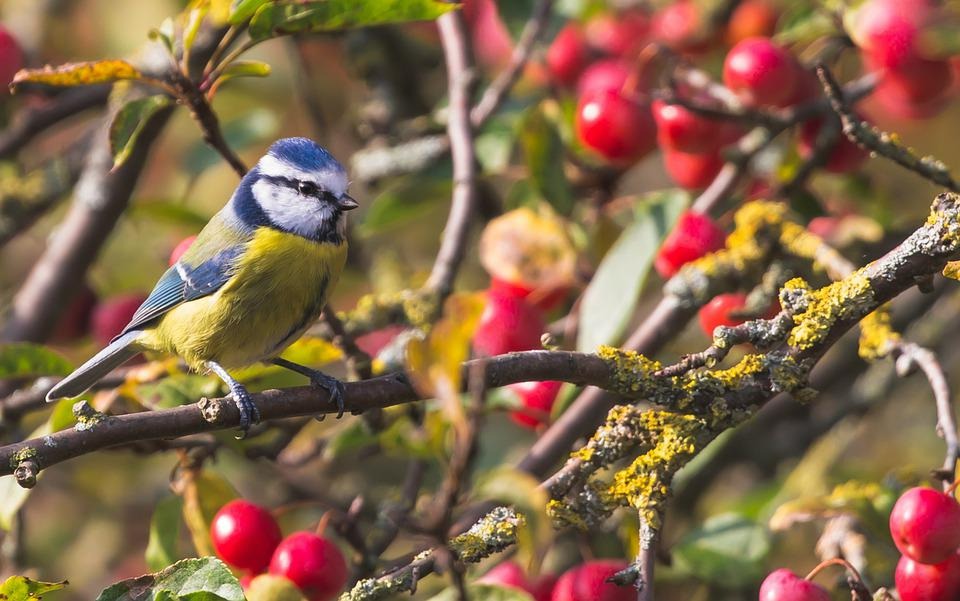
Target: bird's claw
{"type": "Point", "coordinates": [333, 386]}
{"type": "Point", "coordinates": [249, 414]}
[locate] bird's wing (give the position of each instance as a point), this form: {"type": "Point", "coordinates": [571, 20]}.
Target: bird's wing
{"type": "Point", "coordinates": [202, 270]}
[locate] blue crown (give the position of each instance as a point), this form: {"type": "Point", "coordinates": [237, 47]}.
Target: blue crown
{"type": "Point", "coordinates": [304, 154]}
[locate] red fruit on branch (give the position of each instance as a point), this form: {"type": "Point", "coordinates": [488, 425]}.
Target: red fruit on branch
{"type": "Point", "coordinates": [925, 525]}
{"type": "Point", "coordinates": [784, 585]}
{"type": "Point", "coordinates": [536, 400]}
{"type": "Point", "coordinates": [761, 72]}
{"type": "Point", "coordinates": [719, 312]}
{"type": "Point", "coordinates": [845, 157]}
{"type": "Point", "coordinates": [543, 300]}
{"type": "Point", "coordinates": [605, 74]}
{"type": "Point", "coordinates": [112, 315]}
{"type": "Point", "coordinates": [508, 324]}
{"type": "Point", "coordinates": [694, 236]}
{"type": "Point", "coordinates": [922, 582]}
{"type": "Point", "coordinates": [588, 582]}
{"type": "Point", "coordinates": [11, 59]}
{"type": "Point", "coordinates": [678, 25]}
{"type": "Point", "coordinates": [568, 55]}
{"type": "Point", "coordinates": [692, 171]}
{"type": "Point", "coordinates": [616, 126]}
{"type": "Point", "coordinates": [618, 34]}
{"type": "Point", "coordinates": [682, 129]}
{"type": "Point", "coordinates": [75, 320]}
{"type": "Point", "coordinates": [313, 563]}
{"type": "Point", "coordinates": [245, 535]}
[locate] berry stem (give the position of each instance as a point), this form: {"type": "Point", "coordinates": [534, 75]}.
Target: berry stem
{"type": "Point", "coordinates": [321, 528]}
{"type": "Point", "coordinates": [836, 561]}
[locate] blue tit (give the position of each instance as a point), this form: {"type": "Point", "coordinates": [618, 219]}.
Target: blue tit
{"type": "Point", "coordinates": [258, 274]}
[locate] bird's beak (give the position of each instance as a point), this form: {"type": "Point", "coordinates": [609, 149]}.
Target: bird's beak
{"type": "Point", "coordinates": [347, 203]}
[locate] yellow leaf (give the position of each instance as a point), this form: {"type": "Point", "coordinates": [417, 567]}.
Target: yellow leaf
{"type": "Point", "coordinates": [434, 362]}
{"type": "Point", "coordinates": [204, 493]}
{"type": "Point", "coordinates": [78, 74]}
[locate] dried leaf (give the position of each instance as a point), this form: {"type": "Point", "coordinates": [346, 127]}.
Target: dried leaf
{"type": "Point", "coordinates": [78, 74]}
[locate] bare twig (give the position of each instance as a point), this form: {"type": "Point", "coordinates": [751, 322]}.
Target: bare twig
{"type": "Point", "coordinates": [880, 142]}
{"type": "Point", "coordinates": [32, 121]}
{"type": "Point", "coordinates": [461, 80]}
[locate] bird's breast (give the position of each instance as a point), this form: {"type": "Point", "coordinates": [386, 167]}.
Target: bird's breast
{"type": "Point", "coordinates": [278, 287]}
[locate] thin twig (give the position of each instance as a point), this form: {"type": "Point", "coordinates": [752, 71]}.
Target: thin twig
{"type": "Point", "coordinates": [461, 78]}
{"type": "Point", "coordinates": [30, 122]}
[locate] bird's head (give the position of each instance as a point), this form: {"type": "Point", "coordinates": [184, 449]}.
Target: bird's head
{"type": "Point", "coordinates": [300, 188]}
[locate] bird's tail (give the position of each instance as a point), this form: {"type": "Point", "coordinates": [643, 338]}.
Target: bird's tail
{"type": "Point", "coordinates": [115, 354]}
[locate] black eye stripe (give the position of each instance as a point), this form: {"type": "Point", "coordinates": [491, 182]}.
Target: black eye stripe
{"type": "Point", "coordinates": [297, 185]}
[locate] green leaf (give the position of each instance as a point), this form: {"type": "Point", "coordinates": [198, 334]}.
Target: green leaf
{"type": "Point", "coordinates": [176, 390]}
{"type": "Point", "coordinates": [495, 143]}
{"type": "Point", "coordinates": [203, 496]}
{"type": "Point", "coordinates": [165, 33]}
{"type": "Point", "coordinates": [543, 150]}
{"type": "Point", "coordinates": [203, 579]}
{"type": "Point", "coordinates": [164, 533]}
{"type": "Point", "coordinates": [174, 213]}
{"type": "Point", "coordinates": [78, 74]}
{"type": "Point", "coordinates": [245, 69]}
{"type": "Point", "coordinates": [284, 18]}
{"type": "Point", "coordinates": [193, 26]}
{"type": "Point", "coordinates": [408, 198]}
{"type": "Point", "coordinates": [244, 10]}
{"type": "Point", "coordinates": [21, 588]}
{"type": "Point", "coordinates": [728, 550]}
{"type": "Point", "coordinates": [129, 122]}
{"type": "Point", "coordinates": [28, 360]}
{"type": "Point", "coordinates": [610, 299]}
{"type": "Point", "coordinates": [486, 592]}
{"type": "Point", "coordinates": [240, 133]}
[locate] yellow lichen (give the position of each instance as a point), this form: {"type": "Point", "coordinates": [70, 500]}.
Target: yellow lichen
{"type": "Point", "coordinates": [877, 336]}
{"type": "Point", "coordinates": [849, 298]}
{"type": "Point", "coordinates": [632, 372]}
{"type": "Point", "coordinates": [494, 532]}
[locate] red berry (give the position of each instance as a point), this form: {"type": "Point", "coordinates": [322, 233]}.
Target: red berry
{"type": "Point", "coordinates": [543, 299]}
{"type": "Point", "coordinates": [11, 59]}
{"type": "Point", "coordinates": [313, 563]}
{"type": "Point", "coordinates": [677, 25]}
{"type": "Point", "coordinates": [179, 249]}
{"type": "Point", "coordinates": [244, 535]}
{"type": "Point", "coordinates": [75, 319]}
{"type": "Point", "coordinates": [508, 324]}
{"type": "Point", "coordinates": [568, 55]}
{"type": "Point", "coordinates": [605, 74]}
{"type": "Point", "coordinates": [694, 236]}
{"type": "Point", "coordinates": [718, 312]}
{"type": "Point", "coordinates": [112, 315]}
{"type": "Point", "coordinates": [925, 525]}
{"type": "Point", "coordinates": [888, 31]}
{"type": "Point", "coordinates": [751, 18]}
{"type": "Point", "coordinates": [761, 72]}
{"type": "Point", "coordinates": [246, 579]}
{"type": "Point", "coordinates": [617, 127]}
{"type": "Point", "coordinates": [537, 400]}
{"type": "Point", "coordinates": [492, 43]}
{"type": "Point", "coordinates": [845, 156]}
{"type": "Point", "coordinates": [542, 587]}
{"type": "Point", "coordinates": [681, 129]}
{"type": "Point", "coordinates": [692, 171]}
{"type": "Point", "coordinates": [507, 573]}
{"type": "Point", "coordinates": [619, 34]}
{"type": "Point", "coordinates": [784, 585]}
{"type": "Point", "coordinates": [587, 582]}
{"type": "Point", "coordinates": [374, 342]}
{"type": "Point", "coordinates": [921, 582]}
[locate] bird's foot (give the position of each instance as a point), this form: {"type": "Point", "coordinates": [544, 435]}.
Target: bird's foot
{"type": "Point", "coordinates": [249, 414]}
{"type": "Point", "coordinates": [333, 386]}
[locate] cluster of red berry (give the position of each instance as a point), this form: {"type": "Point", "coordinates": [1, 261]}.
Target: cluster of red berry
{"type": "Point", "coordinates": [925, 526]}
{"type": "Point", "coordinates": [583, 582]}
{"type": "Point", "coordinates": [247, 537]}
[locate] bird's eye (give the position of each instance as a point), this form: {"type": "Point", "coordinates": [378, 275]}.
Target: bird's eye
{"type": "Point", "coordinates": [307, 188]}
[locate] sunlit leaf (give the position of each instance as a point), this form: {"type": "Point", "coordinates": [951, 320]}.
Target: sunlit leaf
{"type": "Point", "coordinates": [165, 34]}
{"type": "Point", "coordinates": [190, 30]}
{"type": "Point", "coordinates": [203, 579]}
{"type": "Point", "coordinates": [244, 10]}
{"type": "Point", "coordinates": [164, 533]}
{"type": "Point", "coordinates": [728, 550]}
{"type": "Point", "coordinates": [28, 360]}
{"type": "Point", "coordinates": [204, 493]}
{"type": "Point", "coordinates": [78, 74]}
{"type": "Point", "coordinates": [434, 362]}
{"type": "Point", "coordinates": [284, 18]}
{"type": "Point", "coordinates": [610, 299]}
{"type": "Point", "coordinates": [245, 69]}
{"type": "Point", "coordinates": [267, 587]}
{"type": "Point", "coordinates": [543, 150]}
{"type": "Point", "coordinates": [21, 588]}
{"type": "Point", "coordinates": [129, 123]}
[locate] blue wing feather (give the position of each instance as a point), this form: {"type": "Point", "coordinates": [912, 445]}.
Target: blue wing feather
{"type": "Point", "coordinates": [182, 283]}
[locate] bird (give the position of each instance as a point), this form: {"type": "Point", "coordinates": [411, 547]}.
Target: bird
{"type": "Point", "coordinates": [257, 276]}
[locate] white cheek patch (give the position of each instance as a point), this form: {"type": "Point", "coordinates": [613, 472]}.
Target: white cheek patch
{"type": "Point", "coordinates": [290, 211]}
{"type": "Point", "coordinates": [332, 180]}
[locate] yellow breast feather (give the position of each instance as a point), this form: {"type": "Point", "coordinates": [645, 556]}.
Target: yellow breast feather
{"type": "Point", "coordinates": [278, 288]}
